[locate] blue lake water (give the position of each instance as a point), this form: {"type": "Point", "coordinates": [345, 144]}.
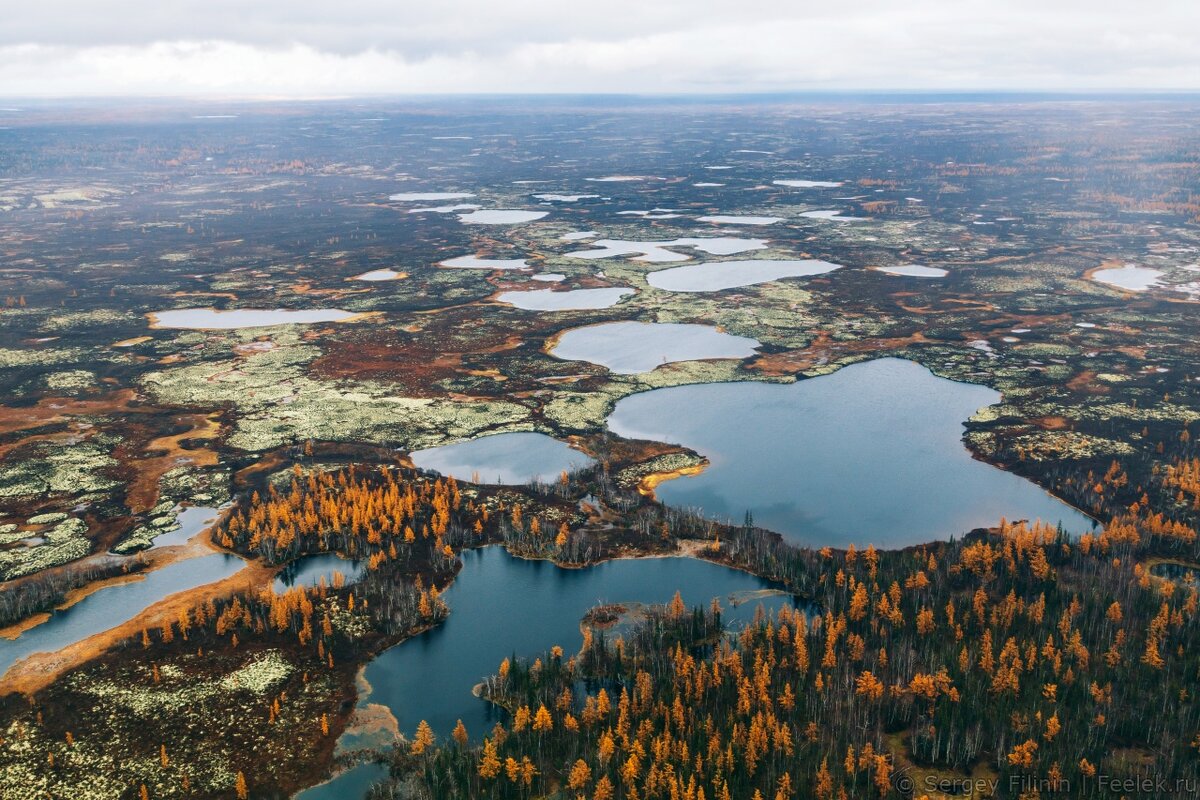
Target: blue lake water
{"type": "Point", "coordinates": [508, 458]}
{"type": "Point", "coordinates": [309, 570]}
{"type": "Point", "coordinates": [114, 605]}
{"type": "Point", "coordinates": [190, 521]}
{"type": "Point", "coordinates": [501, 605]}
{"type": "Point", "coordinates": [871, 454]}
{"type": "Point", "coordinates": [349, 785]}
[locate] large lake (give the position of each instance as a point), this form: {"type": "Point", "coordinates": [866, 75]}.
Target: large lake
{"type": "Point", "coordinates": [658, 251]}
{"type": "Point", "coordinates": [501, 605]}
{"type": "Point", "coordinates": [872, 454]}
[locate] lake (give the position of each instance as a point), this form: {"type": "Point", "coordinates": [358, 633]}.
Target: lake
{"type": "Point", "coordinates": [500, 216]}
{"type": "Point", "coordinates": [353, 784]}
{"type": "Point", "coordinates": [571, 300]}
{"type": "Point", "coordinates": [114, 605]}
{"type": "Point", "coordinates": [506, 458]}
{"type": "Point", "coordinates": [501, 605]}
{"type": "Point", "coordinates": [872, 454]}
{"type": "Point", "coordinates": [807, 184]}
{"type": "Point", "coordinates": [472, 262]}
{"type": "Point", "coordinates": [660, 251]}
{"type": "Point", "coordinates": [215, 319]}
{"type": "Point", "coordinates": [914, 271]}
{"type": "Point", "coordinates": [565, 198]}
{"type": "Point", "coordinates": [713, 276]}
{"type": "Point", "coordinates": [734, 219]}
{"type": "Point", "coordinates": [410, 196]}
{"type": "Point", "coordinates": [1130, 277]}
{"type": "Point", "coordinates": [628, 348]}
{"type": "Point", "coordinates": [830, 215]}
{"type": "Point", "coordinates": [307, 571]}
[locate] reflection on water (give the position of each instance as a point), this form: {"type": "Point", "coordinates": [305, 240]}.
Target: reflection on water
{"type": "Point", "coordinates": [215, 319]}
{"type": "Point", "coordinates": [914, 271]}
{"type": "Point", "coordinates": [508, 458]}
{"type": "Point", "coordinates": [870, 454]}
{"type": "Point", "coordinates": [572, 300]}
{"type": "Point", "coordinates": [309, 570]}
{"type": "Point", "coordinates": [190, 521]}
{"type": "Point", "coordinates": [1180, 573]}
{"type": "Point", "coordinates": [627, 348]}
{"type": "Point", "coordinates": [349, 785]}
{"type": "Point", "coordinates": [500, 605]}
{"type": "Point", "coordinates": [713, 276]}
{"type": "Point", "coordinates": [114, 605]}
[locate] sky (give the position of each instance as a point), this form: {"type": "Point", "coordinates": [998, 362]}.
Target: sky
{"type": "Point", "coordinates": [330, 48]}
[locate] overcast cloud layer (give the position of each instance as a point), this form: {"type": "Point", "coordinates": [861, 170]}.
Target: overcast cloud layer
{"type": "Point", "coordinates": [326, 47]}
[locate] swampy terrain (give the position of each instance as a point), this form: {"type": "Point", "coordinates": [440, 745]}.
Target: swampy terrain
{"type": "Point", "coordinates": [328, 427]}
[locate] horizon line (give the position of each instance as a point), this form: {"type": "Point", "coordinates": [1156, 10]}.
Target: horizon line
{"type": "Point", "coordinates": [199, 97]}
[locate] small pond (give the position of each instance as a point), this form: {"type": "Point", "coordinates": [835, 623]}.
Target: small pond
{"type": "Point", "coordinates": [308, 571]}
{"type": "Point", "coordinates": [628, 348]}
{"type": "Point", "coordinates": [572, 300]}
{"type": "Point", "coordinates": [189, 522]}
{"type": "Point", "coordinates": [1185, 574]}
{"type": "Point", "coordinates": [505, 458]}
{"type": "Point", "coordinates": [379, 275]}
{"type": "Point", "coordinates": [713, 276]}
{"type": "Point", "coordinates": [914, 271]}
{"type": "Point", "coordinates": [114, 605]}
{"type": "Point", "coordinates": [215, 319]}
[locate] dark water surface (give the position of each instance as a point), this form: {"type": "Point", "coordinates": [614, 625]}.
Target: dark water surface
{"type": "Point", "coordinates": [500, 605]}
{"type": "Point", "coordinates": [508, 458]}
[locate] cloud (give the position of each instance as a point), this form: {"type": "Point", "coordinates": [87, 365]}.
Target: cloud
{"type": "Point", "coordinates": [307, 48]}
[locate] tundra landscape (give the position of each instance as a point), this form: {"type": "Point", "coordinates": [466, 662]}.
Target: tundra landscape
{"type": "Point", "coordinates": [587, 448]}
